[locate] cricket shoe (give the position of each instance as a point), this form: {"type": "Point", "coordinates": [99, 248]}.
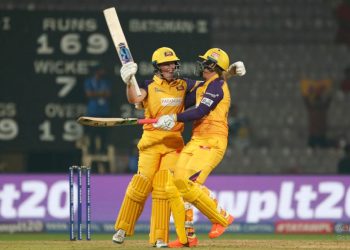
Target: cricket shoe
{"type": "Point", "coordinates": [217, 229]}
{"type": "Point", "coordinates": [119, 236]}
{"type": "Point", "coordinates": [160, 244]}
{"type": "Point", "coordinates": [192, 242]}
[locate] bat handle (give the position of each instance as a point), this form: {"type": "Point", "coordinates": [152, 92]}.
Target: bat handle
{"type": "Point", "coordinates": [146, 121]}
{"type": "Point", "coordinates": [136, 86]}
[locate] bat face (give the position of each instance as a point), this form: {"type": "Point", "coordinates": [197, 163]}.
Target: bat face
{"type": "Point", "coordinates": [119, 41]}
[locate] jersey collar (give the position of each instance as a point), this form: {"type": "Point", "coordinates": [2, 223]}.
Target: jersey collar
{"type": "Point", "coordinates": [161, 81]}
{"type": "Point", "coordinates": [211, 79]}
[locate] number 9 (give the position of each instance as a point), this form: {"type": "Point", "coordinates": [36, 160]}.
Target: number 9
{"type": "Point", "coordinates": [72, 131]}
{"type": "Point", "coordinates": [8, 129]}
{"type": "Point", "coordinates": [97, 44]}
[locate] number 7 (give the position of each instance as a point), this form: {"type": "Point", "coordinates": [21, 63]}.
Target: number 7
{"type": "Point", "coordinates": [68, 82]}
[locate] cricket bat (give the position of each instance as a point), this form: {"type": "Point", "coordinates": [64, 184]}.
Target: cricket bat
{"type": "Point", "coordinates": [118, 38]}
{"type": "Point", "coordinates": [112, 122]}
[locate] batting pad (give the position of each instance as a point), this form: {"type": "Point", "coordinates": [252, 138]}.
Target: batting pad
{"type": "Point", "coordinates": [160, 216]}
{"type": "Point", "coordinates": [133, 203]}
{"type": "Point", "coordinates": [177, 209]}
{"type": "Point", "coordinates": [191, 192]}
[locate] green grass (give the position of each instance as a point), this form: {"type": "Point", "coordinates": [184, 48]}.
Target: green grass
{"type": "Point", "coordinates": [48, 237]}
{"type": "Point", "coordinates": [34, 241]}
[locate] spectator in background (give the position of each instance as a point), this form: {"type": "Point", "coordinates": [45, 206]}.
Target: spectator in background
{"type": "Point", "coordinates": [317, 96]}
{"type": "Point", "coordinates": [343, 19]}
{"type": "Point", "coordinates": [345, 84]}
{"type": "Point", "coordinates": [97, 92]}
{"type": "Point", "coordinates": [343, 36]}
{"type": "Point", "coordinates": [344, 163]}
{"type": "Point", "coordinates": [239, 130]}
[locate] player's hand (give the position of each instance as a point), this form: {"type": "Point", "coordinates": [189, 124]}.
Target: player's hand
{"type": "Point", "coordinates": [127, 71]}
{"type": "Point", "coordinates": [237, 68]}
{"type": "Point", "coordinates": [165, 122]}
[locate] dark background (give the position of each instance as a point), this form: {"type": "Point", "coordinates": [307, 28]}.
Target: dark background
{"type": "Point", "coordinates": [280, 42]}
{"type": "Point", "coordinates": [43, 113]}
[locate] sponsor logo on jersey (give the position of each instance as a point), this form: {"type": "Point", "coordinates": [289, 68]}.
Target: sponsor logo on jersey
{"type": "Point", "coordinates": [207, 101]}
{"type": "Point", "coordinates": [212, 95]}
{"type": "Point", "coordinates": [171, 101]}
{"type": "Point", "coordinates": [158, 90]}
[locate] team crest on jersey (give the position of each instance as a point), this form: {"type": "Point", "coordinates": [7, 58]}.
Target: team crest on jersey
{"type": "Point", "coordinates": [207, 101]}
{"type": "Point", "coordinates": [179, 88]}
{"type": "Point", "coordinates": [171, 102]}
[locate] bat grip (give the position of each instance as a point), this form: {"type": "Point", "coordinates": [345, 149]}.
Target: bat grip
{"type": "Point", "coordinates": [146, 121]}
{"type": "Point", "coordinates": [136, 86]}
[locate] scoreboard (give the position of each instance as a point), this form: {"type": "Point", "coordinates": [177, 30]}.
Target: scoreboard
{"type": "Point", "coordinates": [46, 55]}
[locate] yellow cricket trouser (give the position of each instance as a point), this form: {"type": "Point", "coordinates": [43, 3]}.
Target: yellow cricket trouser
{"type": "Point", "coordinates": [157, 152]}
{"type": "Point", "coordinates": [200, 154]}
{"type": "Point", "coordinates": [199, 157]}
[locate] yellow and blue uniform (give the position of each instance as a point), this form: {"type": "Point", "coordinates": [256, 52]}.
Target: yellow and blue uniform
{"type": "Point", "coordinates": [158, 151]}
{"type": "Point", "coordinates": [205, 149]}
{"type": "Point", "coordinates": [203, 153]}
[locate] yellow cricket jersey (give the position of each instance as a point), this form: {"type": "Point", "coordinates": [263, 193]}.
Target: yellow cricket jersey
{"type": "Point", "coordinates": [165, 98]}
{"type": "Point", "coordinates": [214, 94]}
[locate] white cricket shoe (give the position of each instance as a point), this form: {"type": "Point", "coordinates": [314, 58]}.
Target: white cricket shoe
{"type": "Point", "coordinates": [160, 244]}
{"type": "Point", "coordinates": [119, 236]}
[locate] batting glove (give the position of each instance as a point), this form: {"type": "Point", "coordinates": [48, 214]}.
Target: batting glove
{"type": "Point", "coordinates": [127, 71]}
{"type": "Point", "coordinates": [165, 122]}
{"type": "Point", "coordinates": [237, 68]}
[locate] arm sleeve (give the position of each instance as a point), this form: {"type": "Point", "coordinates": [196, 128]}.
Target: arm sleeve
{"type": "Point", "coordinates": [190, 99]}
{"type": "Point", "coordinates": [192, 85]}
{"type": "Point", "coordinates": [212, 96]}
{"type": "Point", "coordinates": [144, 85]}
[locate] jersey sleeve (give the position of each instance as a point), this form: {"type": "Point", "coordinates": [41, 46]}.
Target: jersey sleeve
{"type": "Point", "coordinates": [144, 85]}
{"type": "Point", "coordinates": [212, 96]}
{"type": "Point", "coordinates": [190, 98]}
